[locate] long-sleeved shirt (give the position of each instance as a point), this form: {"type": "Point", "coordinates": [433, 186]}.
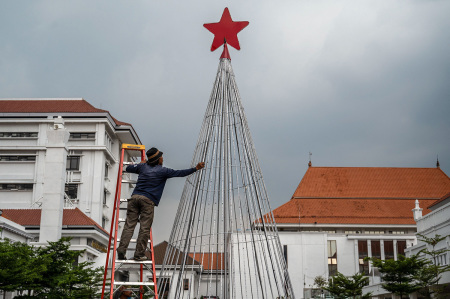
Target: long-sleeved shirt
{"type": "Point", "coordinates": [152, 179]}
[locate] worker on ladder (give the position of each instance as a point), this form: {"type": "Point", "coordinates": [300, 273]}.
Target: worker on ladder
{"type": "Point", "coordinates": [152, 178]}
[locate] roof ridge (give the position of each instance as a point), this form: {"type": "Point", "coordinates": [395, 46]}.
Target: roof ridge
{"type": "Point", "coordinates": [385, 167]}
{"type": "Point", "coordinates": [43, 99]}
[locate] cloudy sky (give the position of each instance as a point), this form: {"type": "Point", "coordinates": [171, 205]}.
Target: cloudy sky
{"type": "Point", "coordinates": [357, 83]}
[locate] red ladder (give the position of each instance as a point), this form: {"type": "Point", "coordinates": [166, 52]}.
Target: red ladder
{"type": "Point", "coordinates": [125, 265]}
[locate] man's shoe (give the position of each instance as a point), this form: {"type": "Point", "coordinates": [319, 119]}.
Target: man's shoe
{"type": "Point", "coordinates": [141, 258]}
{"type": "Point", "coordinates": [121, 256]}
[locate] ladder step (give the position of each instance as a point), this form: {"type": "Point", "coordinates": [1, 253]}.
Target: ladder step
{"type": "Point", "coordinates": [131, 241]}
{"type": "Point", "coordinates": [133, 262]}
{"type": "Point", "coordinates": [134, 283]}
{"type": "Point", "coordinates": [129, 181]}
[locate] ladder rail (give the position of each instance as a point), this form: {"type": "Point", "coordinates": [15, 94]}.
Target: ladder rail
{"type": "Point", "coordinates": [118, 185]}
{"type": "Point", "coordinates": [116, 220]}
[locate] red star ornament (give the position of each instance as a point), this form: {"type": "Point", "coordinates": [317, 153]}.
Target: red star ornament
{"type": "Point", "coordinates": [226, 31]}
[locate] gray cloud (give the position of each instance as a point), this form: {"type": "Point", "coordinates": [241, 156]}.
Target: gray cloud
{"type": "Point", "coordinates": [357, 83]}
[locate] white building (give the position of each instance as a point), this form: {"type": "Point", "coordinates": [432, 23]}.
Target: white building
{"type": "Point", "coordinates": [61, 155]}
{"type": "Point", "coordinates": [339, 215]}
{"type": "Point", "coordinates": [437, 222]}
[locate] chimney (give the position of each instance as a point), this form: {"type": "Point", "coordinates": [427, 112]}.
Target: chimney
{"type": "Point", "coordinates": [417, 211]}
{"type": "Point", "coordinates": [54, 182]}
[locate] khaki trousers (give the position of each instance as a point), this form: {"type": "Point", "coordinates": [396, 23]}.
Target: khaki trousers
{"type": "Point", "coordinates": [139, 208]}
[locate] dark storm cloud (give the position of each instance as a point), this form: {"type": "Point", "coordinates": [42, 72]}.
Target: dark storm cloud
{"type": "Point", "coordinates": [360, 83]}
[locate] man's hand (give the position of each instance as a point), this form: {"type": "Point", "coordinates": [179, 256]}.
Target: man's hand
{"type": "Point", "coordinates": [200, 165]}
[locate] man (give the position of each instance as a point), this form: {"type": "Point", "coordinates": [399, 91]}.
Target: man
{"type": "Point", "coordinates": [146, 195]}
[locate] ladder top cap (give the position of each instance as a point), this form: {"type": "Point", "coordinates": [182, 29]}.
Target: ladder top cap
{"type": "Point", "coordinates": [133, 146]}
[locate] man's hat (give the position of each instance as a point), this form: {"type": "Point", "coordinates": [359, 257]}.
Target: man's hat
{"type": "Point", "coordinates": [153, 155]}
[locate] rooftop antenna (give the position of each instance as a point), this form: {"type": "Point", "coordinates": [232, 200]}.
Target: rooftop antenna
{"type": "Point", "coordinates": [309, 163]}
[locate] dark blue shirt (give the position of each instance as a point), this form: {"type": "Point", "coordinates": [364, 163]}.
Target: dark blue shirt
{"type": "Point", "coordinates": [152, 179]}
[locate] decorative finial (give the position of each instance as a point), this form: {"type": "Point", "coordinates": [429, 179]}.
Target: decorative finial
{"type": "Point", "coordinates": [225, 32]}
{"type": "Point", "coordinates": [437, 162]}
{"type": "Point", "coordinates": [417, 211]}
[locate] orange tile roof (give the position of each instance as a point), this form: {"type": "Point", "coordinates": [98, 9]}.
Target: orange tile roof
{"type": "Point", "coordinates": [210, 260]}
{"type": "Point", "coordinates": [362, 195]}
{"type": "Point", "coordinates": [376, 182]}
{"type": "Point", "coordinates": [51, 105]}
{"type": "Point", "coordinates": [32, 217]}
{"type": "Point", "coordinates": [160, 251]}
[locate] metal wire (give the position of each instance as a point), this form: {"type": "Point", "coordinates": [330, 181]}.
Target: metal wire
{"type": "Point", "coordinates": [224, 241]}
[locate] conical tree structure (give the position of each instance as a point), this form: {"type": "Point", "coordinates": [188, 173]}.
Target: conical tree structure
{"type": "Point", "coordinates": [224, 240]}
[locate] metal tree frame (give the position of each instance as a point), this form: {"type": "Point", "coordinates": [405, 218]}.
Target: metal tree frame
{"type": "Point", "coordinates": [224, 228]}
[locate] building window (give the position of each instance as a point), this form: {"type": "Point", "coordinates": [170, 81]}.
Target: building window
{"type": "Point", "coordinates": [105, 193]}
{"type": "Point", "coordinates": [397, 232]}
{"type": "Point", "coordinates": [362, 254]}
{"type": "Point", "coordinates": [103, 222]}
{"type": "Point", "coordinates": [73, 163]}
{"type": "Point", "coordinates": [352, 232]}
{"type": "Point", "coordinates": [285, 253]}
{"type": "Point", "coordinates": [164, 287]}
{"type": "Point", "coordinates": [374, 232]}
{"type": "Point", "coordinates": [82, 135]}
{"type": "Point", "coordinates": [18, 135]}
{"type": "Point", "coordinates": [332, 257]}
{"type": "Point", "coordinates": [106, 170]}
{"type": "Point", "coordinates": [388, 250]}
{"type": "Point", "coordinates": [186, 284]}
{"type": "Point", "coordinates": [17, 158]}
{"type": "Point", "coordinates": [401, 246]}
{"type": "Point", "coordinates": [16, 187]}
{"type": "Point", "coordinates": [442, 259]}
{"type": "Point", "coordinates": [71, 191]}
{"type": "Point", "coordinates": [376, 249]}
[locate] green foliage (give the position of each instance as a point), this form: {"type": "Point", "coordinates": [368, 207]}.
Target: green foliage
{"type": "Point", "coordinates": [320, 281]}
{"type": "Point", "coordinates": [46, 272]}
{"type": "Point", "coordinates": [399, 275]}
{"type": "Point", "coordinates": [429, 276]}
{"type": "Point", "coordinates": [342, 287]}
{"type": "Point", "coordinates": [20, 266]}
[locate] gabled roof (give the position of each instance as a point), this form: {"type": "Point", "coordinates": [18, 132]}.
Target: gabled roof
{"type": "Point", "coordinates": [51, 106]}
{"type": "Point", "coordinates": [176, 259]}
{"type": "Point", "coordinates": [209, 261]}
{"type": "Point", "coordinates": [32, 217]}
{"type": "Point", "coordinates": [362, 195]}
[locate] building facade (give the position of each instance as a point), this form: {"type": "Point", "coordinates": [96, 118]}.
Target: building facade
{"type": "Point", "coordinates": [90, 154]}
{"type": "Point", "coordinates": [339, 215]}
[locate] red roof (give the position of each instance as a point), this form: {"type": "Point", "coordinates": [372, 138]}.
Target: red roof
{"type": "Point", "coordinates": [362, 195]}
{"type": "Point", "coordinates": [210, 260]}
{"type": "Point", "coordinates": [32, 217]}
{"type": "Point", "coordinates": [51, 106]}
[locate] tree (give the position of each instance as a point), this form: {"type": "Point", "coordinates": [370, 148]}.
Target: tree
{"type": "Point", "coordinates": [341, 286]}
{"type": "Point", "coordinates": [429, 276]}
{"type": "Point", "coordinates": [20, 266]}
{"type": "Point", "coordinates": [400, 275]}
{"type": "Point", "coordinates": [47, 272]}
